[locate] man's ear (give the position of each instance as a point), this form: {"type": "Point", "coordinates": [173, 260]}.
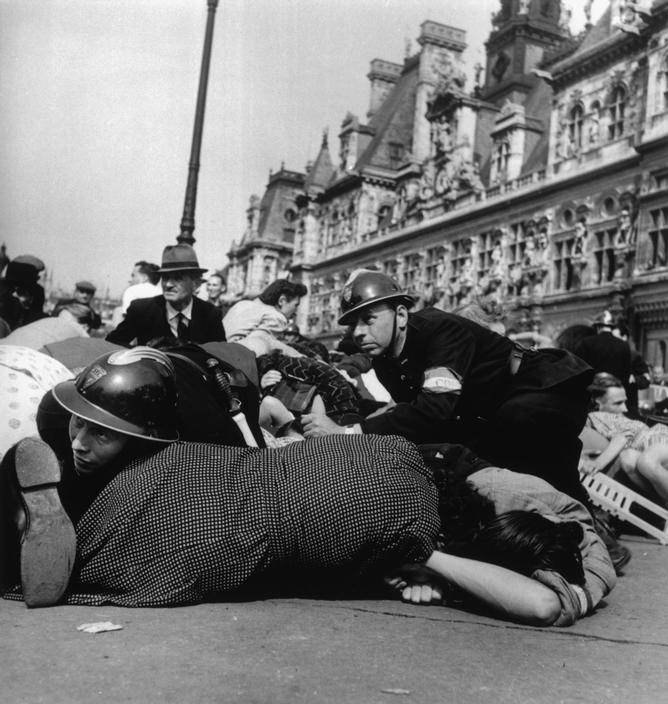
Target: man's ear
{"type": "Point", "coordinates": [282, 300]}
{"type": "Point", "coordinates": [402, 317]}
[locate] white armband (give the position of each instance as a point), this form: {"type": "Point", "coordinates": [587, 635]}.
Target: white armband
{"type": "Point", "coordinates": [441, 380]}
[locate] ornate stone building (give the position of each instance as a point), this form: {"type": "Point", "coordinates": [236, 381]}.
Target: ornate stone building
{"type": "Point", "coordinates": [544, 188]}
{"type": "Point", "coordinates": [265, 250]}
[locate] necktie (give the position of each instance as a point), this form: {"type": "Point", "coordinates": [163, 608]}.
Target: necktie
{"type": "Point", "coordinates": [182, 328]}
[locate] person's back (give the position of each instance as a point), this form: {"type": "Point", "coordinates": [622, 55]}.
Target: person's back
{"type": "Point", "coordinates": [247, 316]}
{"type": "Point", "coordinates": [606, 353]}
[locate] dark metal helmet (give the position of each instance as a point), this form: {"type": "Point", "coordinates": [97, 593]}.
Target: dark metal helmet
{"type": "Point", "coordinates": [367, 289]}
{"type": "Point", "coordinates": [291, 329]}
{"type": "Point", "coordinates": [604, 319]}
{"type": "Point", "coordinates": [131, 391]}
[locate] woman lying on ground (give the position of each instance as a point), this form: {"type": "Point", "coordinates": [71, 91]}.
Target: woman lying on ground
{"type": "Point", "coordinates": [171, 523]}
{"type": "Point", "coordinates": [640, 451]}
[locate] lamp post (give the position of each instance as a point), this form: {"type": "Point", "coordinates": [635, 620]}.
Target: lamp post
{"type": "Point", "coordinates": [188, 217]}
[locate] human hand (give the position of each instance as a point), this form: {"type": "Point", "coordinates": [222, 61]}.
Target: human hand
{"type": "Point", "coordinates": [270, 378]}
{"type": "Point", "coordinates": [316, 425]}
{"type": "Point", "coordinates": [588, 466]}
{"type": "Point", "coordinates": [347, 377]}
{"type": "Point", "coordinates": [417, 584]}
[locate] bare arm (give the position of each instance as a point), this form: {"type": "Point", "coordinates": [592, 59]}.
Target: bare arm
{"type": "Point", "coordinates": [507, 593]}
{"type": "Point", "coordinates": [608, 455]}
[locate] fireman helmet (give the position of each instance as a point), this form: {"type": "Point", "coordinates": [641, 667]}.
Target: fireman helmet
{"type": "Point", "coordinates": [131, 391]}
{"type": "Point", "coordinates": [367, 289]}
{"type": "Point", "coordinates": [604, 320]}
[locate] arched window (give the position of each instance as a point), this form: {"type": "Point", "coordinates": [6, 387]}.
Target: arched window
{"type": "Point", "coordinates": [575, 123]}
{"type": "Point", "coordinates": [384, 216]}
{"type": "Point", "coordinates": [617, 108]}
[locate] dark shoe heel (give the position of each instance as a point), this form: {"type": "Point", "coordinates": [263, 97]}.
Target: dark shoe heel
{"type": "Point", "coordinates": [48, 543]}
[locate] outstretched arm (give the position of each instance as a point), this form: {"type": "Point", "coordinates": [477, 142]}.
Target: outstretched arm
{"type": "Point", "coordinates": [506, 593]}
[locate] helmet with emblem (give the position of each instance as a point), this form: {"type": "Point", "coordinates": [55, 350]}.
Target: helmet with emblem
{"type": "Point", "coordinates": [367, 289]}
{"type": "Point", "coordinates": [604, 320]}
{"type": "Point", "coordinates": [131, 391]}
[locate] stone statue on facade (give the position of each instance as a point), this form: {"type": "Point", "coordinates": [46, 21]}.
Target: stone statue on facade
{"type": "Point", "coordinates": [524, 7]}
{"type": "Point", "coordinates": [427, 181]}
{"type": "Point", "coordinates": [579, 254]}
{"type": "Point", "coordinates": [450, 77]}
{"type": "Point", "coordinates": [624, 244]}
{"type": "Point", "coordinates": [441, 136]}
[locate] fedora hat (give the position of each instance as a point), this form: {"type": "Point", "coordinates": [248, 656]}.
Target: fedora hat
{"type": "Point", "coordinates": [179, 257]}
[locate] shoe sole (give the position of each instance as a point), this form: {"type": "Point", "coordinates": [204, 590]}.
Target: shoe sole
{"type": "Point", "coordinates": [48, 544]}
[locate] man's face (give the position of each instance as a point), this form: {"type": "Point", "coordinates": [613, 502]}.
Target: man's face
{"type": "Point", "coordinates": [179, 287]}
{"type": "Point", "coordinates": [84, 297]}
{"type": "Point", "coordinates": [614, 400]}
{"type": "Point", "coordinates": [288, 306]}
{"type": "Point", "coordinates": [136, 277]}
{"type": "Point", "coordinates": [374, 328]}
{"type": "Point", "coordinates": [214, 287]}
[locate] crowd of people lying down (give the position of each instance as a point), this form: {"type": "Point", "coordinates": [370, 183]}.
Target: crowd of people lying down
{"type": "Point", "coordinates": [181, 470]}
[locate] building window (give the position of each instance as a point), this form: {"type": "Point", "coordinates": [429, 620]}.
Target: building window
{"type": "Point", "coordinates": [604, 257]}
{"type": "Point", "coordinates": [663, 83]}
{"type": "Point", "coordinates": [575, 123]}
{"type": "Point", "coordinates": [617, 109]}
{"type": "Point", "coordinates": [658, 236]}
{"type": "Point", "coordinates": [501, 159]}
{"type": "Point", "coordinates": [384, 217]}
{"type": "Point", "coordinates": [396, 153]}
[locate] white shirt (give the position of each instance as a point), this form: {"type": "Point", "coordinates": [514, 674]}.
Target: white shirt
{"type": "Point", "coordinates": [143, 290]}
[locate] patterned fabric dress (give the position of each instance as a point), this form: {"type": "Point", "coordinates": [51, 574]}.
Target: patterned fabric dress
{"type": "Point", "coordinates": [25, 376]}
{"type": "Point", "coordinates": [611, 424]}
{"type": "Point", "coordinates": [198, 520]}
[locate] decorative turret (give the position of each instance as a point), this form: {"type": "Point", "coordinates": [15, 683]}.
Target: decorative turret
{"type": "Point", "coordinates": [522, 32]}
{"type": "Point", "coordinates": [383, 75]}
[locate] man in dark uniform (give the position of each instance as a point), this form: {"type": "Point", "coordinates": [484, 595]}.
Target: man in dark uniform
{"type": "Point", "coordinates": [605, 352]}
{"type": "Point", "coordinates": [456, 381]}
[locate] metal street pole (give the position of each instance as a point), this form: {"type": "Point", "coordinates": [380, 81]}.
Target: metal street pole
{"type": "Point", "coordinates": [188, 218]}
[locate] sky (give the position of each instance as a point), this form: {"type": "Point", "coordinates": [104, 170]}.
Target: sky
{"type": "Point", "coordinates": [98, 103]}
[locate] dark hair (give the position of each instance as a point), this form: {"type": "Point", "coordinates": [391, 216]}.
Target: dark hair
{"type": "Point", "coordinates": [281, 287]}
{"type": "Point", "coordinates": [149, 270]}
{"type": "Point", "coordinates": [571, 338]}
{"type": "Point", "coordinates": [316, 349]}
{"type": "Point", "coordinates": [600, 384]}
{"type": "Point", "coordinates": [220, 275]}
{"type": "Point", "coordinates": [522, 541]}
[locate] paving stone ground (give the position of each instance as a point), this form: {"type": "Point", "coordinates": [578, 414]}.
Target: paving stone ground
{"type": "Point", "coordinates": [289, 651]}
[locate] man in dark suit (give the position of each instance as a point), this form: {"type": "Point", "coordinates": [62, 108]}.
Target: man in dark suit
{"type": "Point", "coordinates": [606, 353]}
{"type": "Point", "coordinates": [177, 312]}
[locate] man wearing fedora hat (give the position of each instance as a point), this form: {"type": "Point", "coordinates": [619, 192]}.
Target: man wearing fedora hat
{"type": "Point", "coordinates": [177, 312]}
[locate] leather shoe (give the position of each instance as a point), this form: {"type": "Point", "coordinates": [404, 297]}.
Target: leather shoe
{"type": "Point", "coordinates": [46, 537]}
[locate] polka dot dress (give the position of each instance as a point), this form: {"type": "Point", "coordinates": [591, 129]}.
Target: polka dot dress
{"type": "Point", "coordinates": [25, 376]}
{"type": "Point", "coordinates": [197, 520]}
